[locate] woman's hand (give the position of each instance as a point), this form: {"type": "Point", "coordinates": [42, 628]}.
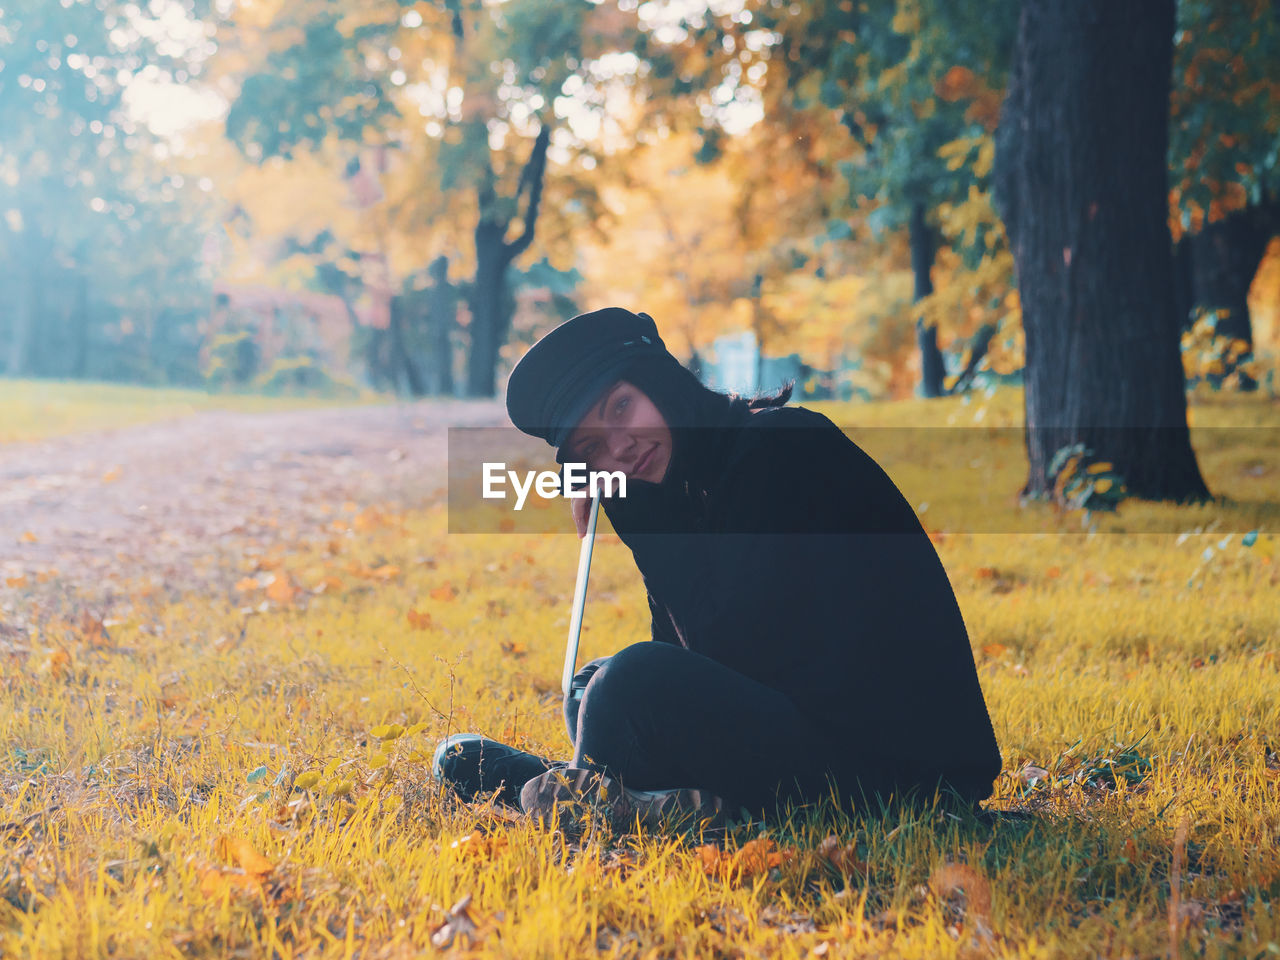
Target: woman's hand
{"type": "Point", "coordinates": [581, 510]}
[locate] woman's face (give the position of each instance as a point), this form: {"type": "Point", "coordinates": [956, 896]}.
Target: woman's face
{"type": "Point", "coordinates": [624, 431]}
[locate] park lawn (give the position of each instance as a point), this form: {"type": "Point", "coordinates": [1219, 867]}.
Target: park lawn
{"type": "Point", "coordinates": [248, 773]}
{"type": "Point", "coordinates": [35, 409]}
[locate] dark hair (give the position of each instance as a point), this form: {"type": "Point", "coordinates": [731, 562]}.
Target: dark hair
{"type": "Point", "coordinates": [684, 400]}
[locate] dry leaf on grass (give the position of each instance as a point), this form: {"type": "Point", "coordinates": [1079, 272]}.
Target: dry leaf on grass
{"type": "Point", "coordinates": [753, 858]}
{"type": "Point", "coordinates": [458, 922]}
{"type": "Point", "coordinates": [239, 851]}
{"type": "Point", "coordinates": [281, 590]}
{"type": "Point", "coordinates": [480, 844]}
{"type": "Point", "coordinates": [952, 878]}
{"type": "Point", "coordinates": [843, 857]}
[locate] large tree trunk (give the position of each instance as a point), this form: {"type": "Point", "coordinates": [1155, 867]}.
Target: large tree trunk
{"type": "Point", "coordinates": [1081, 184]}
{"type": "Point", "coordinates": [923, 247]}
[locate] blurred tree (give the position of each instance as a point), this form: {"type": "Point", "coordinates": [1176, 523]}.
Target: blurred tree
{"type": "Point", "coordinates": [464, 97]}
{"type": "Point", "coordinates": [97, 254]}
{"type": "Point", "coordinates": [1224, 144]}
{"type": "Point", "coordinates": [876, 92]}
{"type": "Point", "coordinates": [1081, 179]}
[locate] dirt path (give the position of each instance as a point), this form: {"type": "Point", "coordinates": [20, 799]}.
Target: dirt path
{"type": "Point", "coordinates": [163, 499]}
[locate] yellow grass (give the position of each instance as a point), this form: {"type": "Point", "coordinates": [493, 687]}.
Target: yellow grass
{"type": "Point", "coordinates": [34, 409]}
{"type": "Point", "coordinates": [1132, 683]}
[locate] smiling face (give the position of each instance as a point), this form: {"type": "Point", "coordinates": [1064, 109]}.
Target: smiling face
{"type": "Point", "coordinates": [624, 431]}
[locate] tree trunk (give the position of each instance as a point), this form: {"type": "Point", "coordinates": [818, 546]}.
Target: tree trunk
{"type": "Point", "coordinates": [488, 326]}
{"type": "Point", "coordinates": [932, 369]}
{"type": "Point", "coordinates": [1081, 183]}
{"type": "Point", "coordinates": [490, 302]}
{"type": "Point", "coordinates": [80, 326]}
{"type": "Point", "coordinates": [29, 305]}
{"type": "Point", "coordinates": [402, 361]}
{"type": "Point", "coordinates": [441, 317]}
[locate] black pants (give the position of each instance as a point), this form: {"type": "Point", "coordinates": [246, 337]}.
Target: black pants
{"type": "Point", "coordinates": [655, 715]}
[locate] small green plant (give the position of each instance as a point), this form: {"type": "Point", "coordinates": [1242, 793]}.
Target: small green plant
{"type": "Point", "coordinates": [1081, 483]}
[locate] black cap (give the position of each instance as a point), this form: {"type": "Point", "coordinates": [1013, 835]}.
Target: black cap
{"type": "Point", "coordinates": [554, 384]}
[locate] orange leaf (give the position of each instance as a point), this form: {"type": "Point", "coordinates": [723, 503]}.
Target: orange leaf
{"type": "Point", "coordinates": [514, 649]}
{"type": "Point", "coordinates": [240, 851]}
{"type": "Point", "coordinates": [281, 590]}
{"type": "Point", "coordinates": [444, 593]}
{"type": "Point", "coordinates": [93, 630]}
{"type": "Point", "coordinates": [367, 520]}
{"type": "Point", "coordinates": [952, 877]}
{"type": "Point", "coordinates": [58, 663]}
{"type": "Point", "coordinates": [387, 571]}
{"type": "Point", "coordinates": [956, 83]}
{"type": "Point", "coordinates": [755, 857]}
{"type": "Point", "coordinates": [843, 858]}
{"type": "Point", "coordinates": [214, 882]}
{"type": "Point", "coordinates": [1053, 573]}
{"type": "Point", "coordinates": [478, 844]}
{"type": "Point", "coordinates": [29, 537]}
{"type": "Point", "coordinates": [111, 476]}
{"type": "Point", "coordinates": [995, 649]}
{"type": "Point", "coordinates": [986, 573]}
{"type": "Point", "coordinates": [248, 583]}
{"type": "Point", "coordinates": [419, 621]}
{"type": "Point", "coordinates": [16, 582]}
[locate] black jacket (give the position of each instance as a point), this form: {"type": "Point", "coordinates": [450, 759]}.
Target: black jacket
{"type": "Point", "coordinates": [778, 547]}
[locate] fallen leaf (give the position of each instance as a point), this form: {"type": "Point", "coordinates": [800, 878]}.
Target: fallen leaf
{"type": "Point", "coordinates": [16, 582]}
{"type": "Point", "coordinates": [419, 621]}
{"type": "Point", "coordinates": [240, 852]}
{"type": "Point", "coordinates": [444, 593]}
{"type": "Point", "coordinates": [514, 649]}
{"type": "Point", "coordinates": [93, 630]}
{"type": "Point", "coordinates": [995, 649]}
{"type": "Point", "coordinates": [480, 844]}
{"type": "Point", "coordinates": [214, 881]}
{"type": "Point", "coordinates": [246, 584]}
{"type": "Point", "coordinates": [843, 857]}
{"type": "Point", "coordinates": [753, 858]}
{"type": "Point", "coordinates": [111, 476]}
{"type": "Point", "coordinates": [281, 590]}
{"type": "Point", "coordinates": [29, 537]}
{"type": "Point", "coordinates": [58, 663]}
{"type": "Point", "coordinates": [458, 922]}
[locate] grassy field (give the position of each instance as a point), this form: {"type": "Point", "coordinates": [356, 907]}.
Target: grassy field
{"type": "Point", "coordinates": [34, 409]}
{"type": "Point", "coordinates": [246, 774]}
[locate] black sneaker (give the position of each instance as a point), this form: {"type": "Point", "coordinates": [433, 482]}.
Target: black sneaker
{"type": "Point", "coordinates": [560, 797]}
{"type": "Point", "coordinates": [475, 766]}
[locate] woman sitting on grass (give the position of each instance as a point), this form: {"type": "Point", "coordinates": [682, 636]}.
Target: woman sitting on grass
{"type": "Point", "coordinates": [805, 638]}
